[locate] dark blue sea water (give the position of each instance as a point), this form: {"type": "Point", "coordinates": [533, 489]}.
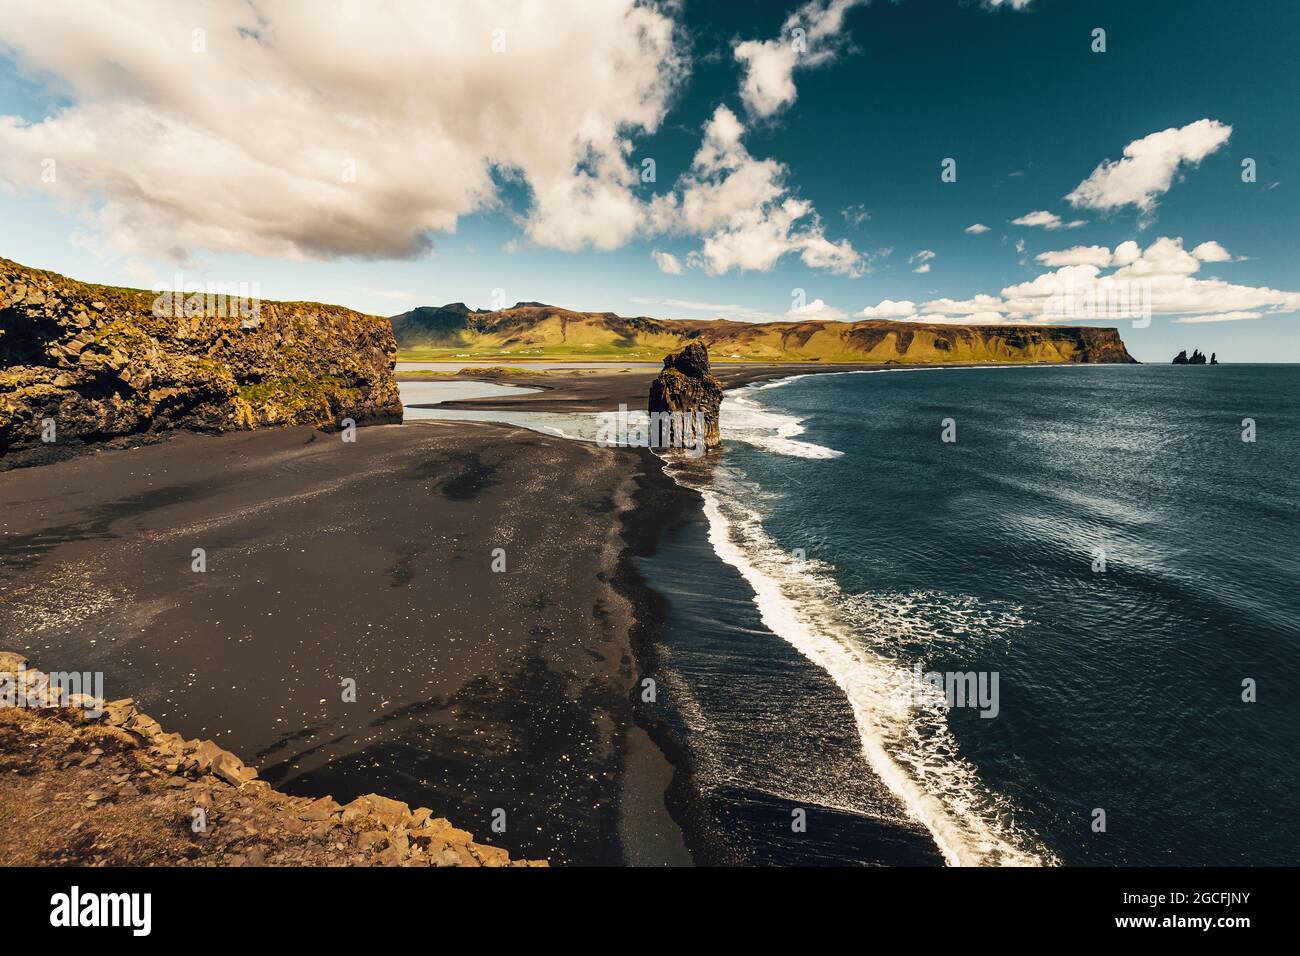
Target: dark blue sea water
{"type": "Point", "coordinates": [862, 551]}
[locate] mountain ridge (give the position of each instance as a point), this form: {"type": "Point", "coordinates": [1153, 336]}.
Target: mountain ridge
{"type": "Point", "coordinates": [549, 331]}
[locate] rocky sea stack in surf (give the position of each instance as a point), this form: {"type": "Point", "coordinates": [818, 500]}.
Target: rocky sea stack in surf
{"type": "Point", "coordinates": [686, 386]}
{"type": "Point", "coordinates": [83, 364]}
{"type": "Point", "coordinates": [1197, 358]}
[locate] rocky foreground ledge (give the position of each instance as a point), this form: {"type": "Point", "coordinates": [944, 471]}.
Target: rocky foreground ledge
{"type": "Point", "coordinates": [103, 785]}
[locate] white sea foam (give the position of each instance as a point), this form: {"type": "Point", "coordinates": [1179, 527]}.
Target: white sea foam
{"type": "Point", "coordinates": [743, 419]}
{"type": "Point", "coordinates": [910, 747]}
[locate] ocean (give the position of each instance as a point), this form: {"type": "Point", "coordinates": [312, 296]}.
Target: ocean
{"type": "Point", "coordinates": [1067, 635]}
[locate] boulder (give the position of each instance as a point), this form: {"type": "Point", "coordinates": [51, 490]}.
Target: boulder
{"type": "Point", "coordinates": [387, 811]}
{"type": "Point", "coordinates": [319, 810]}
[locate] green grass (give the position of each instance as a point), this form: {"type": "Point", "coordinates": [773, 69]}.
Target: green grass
{"type": "Point", "coordinates": [550, 353]}
{"type": "Point", "coordinates": [495, 370]}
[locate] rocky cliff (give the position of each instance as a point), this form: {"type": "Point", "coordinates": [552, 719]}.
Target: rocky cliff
{"type": "Point", "coordinates": [530, 329]}
{"type": "Point", "coordinates": [90, 783]}
{"type": "Point", "coordinates": [82, 364]}
{"type": "Point", "coordinates": [687, 397]}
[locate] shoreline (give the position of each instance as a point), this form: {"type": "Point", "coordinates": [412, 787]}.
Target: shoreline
{"type": "Point", "coordinates": [662, 818]}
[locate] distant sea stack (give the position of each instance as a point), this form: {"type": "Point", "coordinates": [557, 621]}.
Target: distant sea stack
{"type": "Point", "coordinates": [83, 364]}
{"type": "Point", "coordinates": [687, 386]}
{"type": "Point", "coordinates": [1197, 358]}
{"type": "Point", "coordinates": [531, 327]}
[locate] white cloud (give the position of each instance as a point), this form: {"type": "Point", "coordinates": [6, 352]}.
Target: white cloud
{"type": "Point", "coordinates": [741, 313]}
{"type": "Point", "coordinates": [1048, 220]}
{"type": "Point", "coordinates": [921, 260]}
{"type": "Point", "coordinates": [1076, 256]}
{"type": "Point", "coordinates": [889, 309]}
{"type": "Point", "coordinates": [976, 229]}
{"type": "Point", "coordinates": [818, 310]}
{"type": "Point", "coordinates": [769, 65]}
{"type": "Point", "coordinates": [980, 305]}
{"type": "Point", "coordinates": [1148, 167]}
{"type": "Point", "coordinates": [1012, 4]}
{"type": "Point", "coordinates": [1162, 275]}
{"type": "Point", "coordinates": [1212, 252]}
{"type": "Point", "coordinates": [667, 262]}
{"type": "Point", "coordinates": [1126, 252]}
{"type": "Point", "coordinates": [856, 214]}
{"type": "Point", "coordinates": [1221, 317]}
{"type": "Point", "coordinates": [744, 210]}
{"type": "Point", "coordinates": [247, 147]}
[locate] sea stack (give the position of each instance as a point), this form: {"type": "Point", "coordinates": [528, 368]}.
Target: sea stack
{"type": "Point", "coordinates": [686, 386]}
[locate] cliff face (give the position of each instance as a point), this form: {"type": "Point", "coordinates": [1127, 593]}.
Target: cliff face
{"type": "Point", "coordinates": [530, 329]}
{"type": "Point", "coordinates": [687, 387]}
{"type": "Point", "coordinates": [104, 363]}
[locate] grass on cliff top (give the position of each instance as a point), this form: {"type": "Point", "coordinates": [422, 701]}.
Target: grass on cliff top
{"type": "Point", "coordinates": [126, 299]}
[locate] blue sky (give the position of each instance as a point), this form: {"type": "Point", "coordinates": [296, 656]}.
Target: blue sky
{"type": "Point", "coordinates": [156, 177]}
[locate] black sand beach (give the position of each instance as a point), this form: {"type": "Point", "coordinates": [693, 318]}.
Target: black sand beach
{"type": "Point", "coordinates": [476, 691]}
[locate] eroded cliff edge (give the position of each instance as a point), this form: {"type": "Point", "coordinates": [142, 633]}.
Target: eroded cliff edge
{"type": "Point", "coordinates": [91, 783]}
{"type": "Point", "coordinates": [103, 363]}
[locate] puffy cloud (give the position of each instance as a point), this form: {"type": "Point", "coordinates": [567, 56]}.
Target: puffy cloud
{"type": "Point", "coordinates": [977, 228]}
{"type": "Point", "coordinates": [1011, 4]}
{"type": "Point", "coordinates": [345, 130]}
{"type": "Point", "coordinates": [980, 304]}
{"type": "Point", "coordinates": [921, 260]}
{"type": "Point", "coordinates": [817, 310]}
{"type": "Point", "coordinates": [809, 37]}
{"type": "Point", "coordinates": [744, 210]}
{"type": "Point", "coordinates": [1148, 167]}
{"type": "Point", "coordinates": [1126, 252]}
{"type": "Point", "coordinates": [1048, 220]}
{"type": "Point", "coordinates": [1161, 277]}
{"type": "Point", "coordinates": [889, 309]}
{"type": "Point", "coordinates": [1164, 256]}
{"type": "Point", "coordinates": [1076, 256]}
{"type": "Point", "coordinates": [1212, 252]}
{"type": "Point", "coordinates": [667, 262]}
